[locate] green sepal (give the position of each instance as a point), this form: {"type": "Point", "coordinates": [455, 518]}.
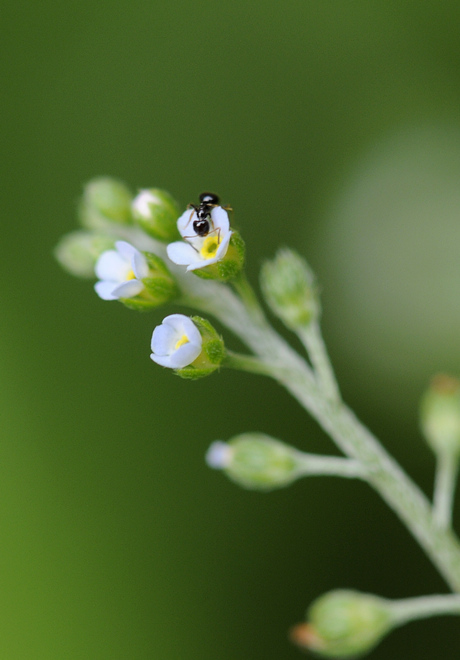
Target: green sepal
{"type": "Point", "coordinates": [105, 201]}
{"type": "Point", "coordinates": [229, 266]}
{"type": "Point", "coordinates": [139, 304]}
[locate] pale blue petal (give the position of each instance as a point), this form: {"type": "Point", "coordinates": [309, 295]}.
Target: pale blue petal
{"type": "Point", "coordinates": [111, 266]}
{"type": "Point", "coordinates": [164, 339]}
{"type": "Point", "coordinates": [185, 222]}
{"type": "Point", "coordinates": [184, 355]}
{"type": "Point", "coordinates": [140, 266]}
{"type": "Point", "coordinates": [105, 290]}
{"type": "Point", "coordinates": [182, 253]}
{"type": "Point", "coordinates": [126, 250]}
{"type": "Point", "coordinates": [128, 289]}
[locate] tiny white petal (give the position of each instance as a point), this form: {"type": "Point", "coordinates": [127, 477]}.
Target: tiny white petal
{"type": "Point", "coordinates": [184, 355]}
{"type": "Point", "coordinates": [111, 266]}
{"type": "Point", "coordinates": [128, 289]}
{"type": "Point", "coordinates": [164, 339]}
{"type": "Point", "coordinates": [219, 455]}
{"type": "Point", "coordinates": [220, 219]}
{"type": "Point", "coordinates": [185, 222]}
{"type": "Point", "coordinates": [183, 325]}
{"type": "Point", "coordinates": [126, 250]}
{"type": "Point", "coordinates": [105, 290]}
{"type": "Point", "coordinates": [140, 265]}
{"type": "Point", "coordinates": [182, 253]}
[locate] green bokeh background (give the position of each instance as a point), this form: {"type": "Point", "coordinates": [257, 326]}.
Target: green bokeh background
{"type": "Point", "coordinates": [332, 127]}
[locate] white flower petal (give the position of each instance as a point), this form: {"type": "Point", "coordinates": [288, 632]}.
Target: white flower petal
{"type": "Point", "coordinates": [126, 250]}
{"type": "Point", "coordinates": [105, 290]}
{"type": "Point", "coordinates": [128, 289]}
{"type": "Point", "coordinates": [220, 220]}
{"type": "Point", "coordinates": [163, 361]}
{"type": "Point", "coordinates": [140, 265]}
{"type": "Point", "coordinates": [182, 253]}
{"type": "Point", "coordinates": [183, 325]}
{"type": "Point", "coordinates": [111, 266]}
{"type": "Point", "coordinates": [184, 355]}
{"type": "Point", "coordinates": [185, 222]}
{"type": "Point", "coordinates": [164, 339]}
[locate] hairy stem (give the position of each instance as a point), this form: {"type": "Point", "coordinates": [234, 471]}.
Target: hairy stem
{"type": "Point", "coordinates": [410, 609]}
{"type": "Point", "coordinates": [245, 318]}
{"type": "Point", "coordinates": [444, 488]}
{"type": "Point", "coordinates": [312, 339]}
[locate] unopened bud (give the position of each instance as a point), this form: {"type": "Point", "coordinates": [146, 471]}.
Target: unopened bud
{"type": "Point", "coordinates": [344, 624]}
{"type": "Point", "coordinates": [78, 251]}
{"type": "Point", "coordinates": [255, 461]}
{"type": "Point", "coordinates": [440, 415]}
{"type": "Point", "coordinates": [156, 211]}
{"type": "Point", "coordinates": [290, 290]}
{"type": "Point", "coordinates": [105, 201]}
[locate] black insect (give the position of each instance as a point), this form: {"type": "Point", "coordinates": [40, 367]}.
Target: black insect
{"type": "Point", "coordinates": [203, 222]}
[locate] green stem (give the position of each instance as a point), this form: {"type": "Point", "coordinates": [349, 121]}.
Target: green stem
{"type": "Point", "coordinates": [314, 465]}
{"type": "Point", "coordinates": [311, 337]}
{"type": "Point", "coordinates": [444, 488]}
{"type": "Point", "coordinates": [410, 609]}
{"type": "Point", "coordinates": [246, 320]}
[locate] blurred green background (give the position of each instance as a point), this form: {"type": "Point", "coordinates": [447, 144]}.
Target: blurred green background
{"type": "Point", "coordinates": [332, 127]}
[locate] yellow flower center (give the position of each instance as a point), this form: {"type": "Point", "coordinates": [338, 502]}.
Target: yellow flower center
{"type": "Point", "coordinates": [130, 275]}
{"type": "Point", "coordinates": [183, 340]}
{"type": "Point", "coordinates": [209, 247]}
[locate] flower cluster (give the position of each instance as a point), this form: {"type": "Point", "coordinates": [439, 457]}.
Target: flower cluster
{"type": "Point", "coordinates": [145, 253]}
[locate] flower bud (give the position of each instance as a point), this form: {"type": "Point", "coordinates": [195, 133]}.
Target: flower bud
{"type": "Point", "coordinates": [190, 346]}
{"type": "Point", "coordinates": [105, 201]}
{"type": "Point", "coordinates": [157, 212]}
{"type": "Point", "coordinates": [78, 251]}
{"type": "Point", "coordinates": [344, 624]}
{"type": "Point", "coordinates": [440, 415]}
{"type": "Point", "coordinates": [290, 289]}
{"type": "Point", "coordinates": [255, 461]}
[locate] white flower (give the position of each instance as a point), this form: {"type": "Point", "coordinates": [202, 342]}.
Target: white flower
{"type": "Point", "coordinates": [200, 251]}
{"type": "Point", "coordinates": [120, 272]}
{"type": "Point", "coordinates": [176, 343]}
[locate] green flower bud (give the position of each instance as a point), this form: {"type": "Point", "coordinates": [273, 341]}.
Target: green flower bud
{"type": "Point", "coordinates": [160, 287]}
{"type": "Point", "coordinates": [344, 624]}
{"type": "Point", "coordinates": [290, 290]}
{"type": "Point", "coordinates": [78, 251]}
{"type": "Point", "coordinates": [105, 201]}
{"type": "Point", "coordinates": [255, 461]}
{"type": "Point", "coordinates": [440, 415]}
{"type": "Point", "coordinates": [212, 352]}
{"type": "Point", "coordinates": [157, 212]}
{"type": "Point", "coordinates": [230, 265]}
